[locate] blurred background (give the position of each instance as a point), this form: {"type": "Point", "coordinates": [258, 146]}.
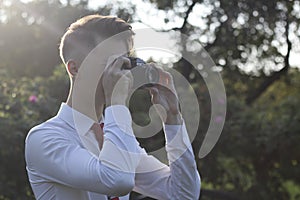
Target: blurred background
{"type": "Point", "coordinates": [255, 45]}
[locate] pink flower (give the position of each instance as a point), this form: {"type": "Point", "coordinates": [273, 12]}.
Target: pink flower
{"type": "Point", "coordinates": [33, 99]}
{"type": "Point", "coordinates": [219, 119]}
{"type": "Point", "coordinates": [221, 101]}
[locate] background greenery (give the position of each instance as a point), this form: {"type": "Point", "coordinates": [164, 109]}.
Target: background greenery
{"type": "Point", "coordinates": [258, 154]}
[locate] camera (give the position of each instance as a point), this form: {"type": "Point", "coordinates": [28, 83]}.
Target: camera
{"type": "Point", "coordinates": [143, 75]}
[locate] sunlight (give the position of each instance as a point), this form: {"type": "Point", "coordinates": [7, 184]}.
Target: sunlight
{"type": "Point", "coordinates": [34, 16]}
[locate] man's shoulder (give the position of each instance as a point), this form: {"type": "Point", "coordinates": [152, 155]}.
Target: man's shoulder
{"type": "Point", "coordinates": [48, 138]}
{"type": "Point", "coordinates": [54, 128]}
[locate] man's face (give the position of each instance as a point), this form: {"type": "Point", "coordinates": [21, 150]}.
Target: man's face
{"type": "Point", "coordinates": [120, 44]}
{"type": "Point", "coordinates": [111, 48]}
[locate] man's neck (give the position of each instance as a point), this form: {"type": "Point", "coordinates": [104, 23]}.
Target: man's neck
{"type": "Point", "coordinates": [85, 107]}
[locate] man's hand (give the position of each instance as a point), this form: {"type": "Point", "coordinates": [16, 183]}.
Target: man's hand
{"type": "Point", "coordinates": [117, 81]}
{"type": "Point", "coordinates": [165, 95]}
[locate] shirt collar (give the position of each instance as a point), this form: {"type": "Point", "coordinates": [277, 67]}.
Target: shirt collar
{"type": "Point", "coordinates": [80, 122]}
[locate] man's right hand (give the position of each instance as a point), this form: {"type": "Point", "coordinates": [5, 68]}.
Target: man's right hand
{"type": "Point", "coordinates": [117, 81]}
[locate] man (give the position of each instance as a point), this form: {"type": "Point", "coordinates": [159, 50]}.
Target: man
{"type": "Point", "coordinates": [69, 157]}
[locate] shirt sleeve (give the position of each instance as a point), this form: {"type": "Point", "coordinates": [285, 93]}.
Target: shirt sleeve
{"type": "Point", "coordinates": [180, 180]}
{"type": "Point", "coordinates": [53, 157]}
{"type": "Point", "coordinates": [120, 151]}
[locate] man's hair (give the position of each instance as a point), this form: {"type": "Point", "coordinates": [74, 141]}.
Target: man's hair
{"type": "Point", "coordinates": [86, 33]}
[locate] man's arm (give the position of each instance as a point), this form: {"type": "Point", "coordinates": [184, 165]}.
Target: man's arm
{"type": "Point", "coordinates": [180, 180]}
{"type": "Point", "coordinates": [54, 158]}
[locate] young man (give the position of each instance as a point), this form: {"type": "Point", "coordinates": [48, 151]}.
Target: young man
{"type": "Point", "coordinates": [69, 157]}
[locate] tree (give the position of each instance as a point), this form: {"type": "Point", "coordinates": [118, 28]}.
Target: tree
{"type": "Point", "coordinates": [25, 102]}
{"type": "Point", "coordinates": [252, 41]}
{"type": "Point", "coordinates": [30, 34]}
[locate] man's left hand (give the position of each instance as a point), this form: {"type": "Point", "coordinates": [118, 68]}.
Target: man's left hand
{"type": "Point", "coordinates": [165, 94]}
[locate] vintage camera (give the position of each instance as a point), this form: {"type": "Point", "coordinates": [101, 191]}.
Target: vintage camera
{"type": "Point", "coordinates": [143, 75]}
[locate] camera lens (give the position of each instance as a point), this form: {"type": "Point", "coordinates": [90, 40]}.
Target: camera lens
{"type": "Point", "coordinates": [139, 62]}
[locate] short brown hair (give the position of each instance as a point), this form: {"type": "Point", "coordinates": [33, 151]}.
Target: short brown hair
{"type": "Point", "coordinates": [84, 34]}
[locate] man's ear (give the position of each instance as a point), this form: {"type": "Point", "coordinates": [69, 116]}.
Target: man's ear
{"type": "Point", "coordinates": [72, 67]}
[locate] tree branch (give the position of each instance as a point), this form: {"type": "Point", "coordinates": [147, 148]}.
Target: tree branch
{"type": "Point", "coordinates": [183, 26]}
{"type": "Point", "coordinates": [276, 75]}
{"type": "Point", "coordinates": [187, 14]}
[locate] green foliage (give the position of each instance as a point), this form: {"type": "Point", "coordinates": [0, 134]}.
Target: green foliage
{"type": "Point", "coordinates": [257, 156]}
{"type": "Point", "coordinates": [31, 32]}
{"type": "Point", "coordinates": [25, 102]}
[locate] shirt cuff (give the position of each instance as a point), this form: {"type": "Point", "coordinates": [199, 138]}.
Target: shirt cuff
{"type": "Point", "coordinates": [177, 141]}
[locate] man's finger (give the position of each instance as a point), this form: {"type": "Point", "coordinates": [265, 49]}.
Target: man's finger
{"type": "Point", "coordinates": [153, 90]}
{"type": "Point", "coordinates": [120, 62]}
{"type": "Point", "coordinates": [154, 94]}
{"type": "Point", "coordinates": [165, 78]}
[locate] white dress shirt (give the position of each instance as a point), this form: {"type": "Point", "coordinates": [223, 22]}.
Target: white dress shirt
{"type": "Point", "coordinates": [64, 161]}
